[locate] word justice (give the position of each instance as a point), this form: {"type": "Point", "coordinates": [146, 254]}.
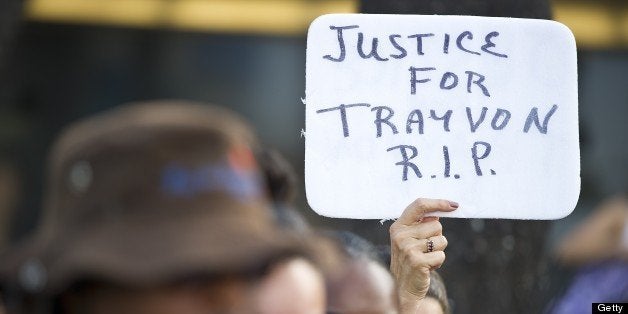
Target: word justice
{"type": "Point", "coordinates": [400, 44]}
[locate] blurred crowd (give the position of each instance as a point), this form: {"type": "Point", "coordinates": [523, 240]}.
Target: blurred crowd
{"type": "Point", "coordinates": [178, 207]}
{"type": "Point", "coordinates": [175, 207]}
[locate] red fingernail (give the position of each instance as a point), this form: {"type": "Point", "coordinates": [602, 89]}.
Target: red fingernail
{"type": "Point", "coordinates": [453, 204]}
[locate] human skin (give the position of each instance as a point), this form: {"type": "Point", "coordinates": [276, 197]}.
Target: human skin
{"type": "Point", "coordinates": [365, 287]}
{"type": "Point", "coordinates": [410, 262]}
{"type": "Point", "coordinates": [292, 287]}
{"type": "Point", "coordinates": [430, 306]}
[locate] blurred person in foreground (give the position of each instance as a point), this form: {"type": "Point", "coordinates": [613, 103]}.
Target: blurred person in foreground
{"type": "Point", "coordinates": [158, 208]}
{"type": "Point", "coordinates": [598, 249]}
{"type": "Point", "coordinates": [363, 285]}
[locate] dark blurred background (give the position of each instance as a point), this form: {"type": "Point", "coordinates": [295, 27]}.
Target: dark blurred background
{"type": "Point", "coordinates": [64, 59]}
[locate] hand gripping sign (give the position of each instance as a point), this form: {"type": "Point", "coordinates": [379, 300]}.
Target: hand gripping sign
{"type": "Point", "coordinates": [479, 110]}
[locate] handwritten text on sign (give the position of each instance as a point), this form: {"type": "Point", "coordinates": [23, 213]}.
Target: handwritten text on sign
{"type": "Point", "coordinates": [482, 111]}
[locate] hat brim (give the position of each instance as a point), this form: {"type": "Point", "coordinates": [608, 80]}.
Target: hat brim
{"type": "Point", "coordinates": [151, 249]}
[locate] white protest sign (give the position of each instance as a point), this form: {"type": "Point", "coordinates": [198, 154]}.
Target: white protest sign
{"type": "Point", "coordinates": [478, 110]}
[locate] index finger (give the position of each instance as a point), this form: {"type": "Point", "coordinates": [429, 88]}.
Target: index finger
{"type": "Point", "coordinates": [422, 206]}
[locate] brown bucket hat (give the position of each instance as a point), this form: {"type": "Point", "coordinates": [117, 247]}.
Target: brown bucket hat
{"type": "Point", "coordinates": [148, 193]}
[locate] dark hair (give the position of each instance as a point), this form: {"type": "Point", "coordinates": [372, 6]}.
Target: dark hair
{"type": "Point", "coordinates": [281, 185]}
{"type": "Point", "coordinates": [355, 246]}
{"type": "Point", "coordinates": [280, 177]}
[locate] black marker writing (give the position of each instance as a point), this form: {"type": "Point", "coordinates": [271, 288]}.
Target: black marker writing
{"type": "Point", "coordinates": [413, 79]}
{"type": "Point", "coordinates": [478, 82]}
{"type": "Point", "coordinates": [463, 35]}
{"type": "Point", "coordinates": [400, 44]}
{"type": "Point", "coordinates": [501, 113]}
{"type": "Point", "coordinates": [415, 117]}
{"type": "Point", "coordinates": [449, 80]}
{"type": "Point", "coordinates": [534, 117]}
{"type": "Point", "coordinates": [379, 120]}
{"type": "Point", "coordinates": [476, 157]}
{"type": "Point", "coordinates": [475, 125]}
{"type": "Point", "coordinates": [446, 77]}
{"type": "Point", "coordinates": [373, 52]}
{"type": "Point", "coordinates": [446, 117]}
{"type": "Point", "coordinates": [341, 42]}
{"type": "Point", "coordinates": [419, 42]}
{"type": "Point", "coordinates": [490, 44]}
{"type": "Point", "coordinates": [409, 155]}
{"type": "Point", "coordinates": [446, 158]}
{"type": "Point", "coordinates": [343, 115]}
{"type": "Point", "coordinates": [402, 51]}
{"type": "Point", "coordinates": [406, 163]}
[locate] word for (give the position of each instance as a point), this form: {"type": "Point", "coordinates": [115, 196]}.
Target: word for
{"type": "Point", "coordinates": [448, 80]}
{"type": "Point", "coordinates": [409, 152]}
{"type": "Point", "coordinates": [397, 43]}
{"type": "Point", "coordinates": [415, 120]}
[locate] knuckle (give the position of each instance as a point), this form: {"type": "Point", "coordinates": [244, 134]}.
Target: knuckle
{"type": "Point", "coordinates": [438, 226]}
{"type": "Point", "coordinates": [441, 255]}
{"type": "Point", "coordinates": [408, 250]}
{"type": "Point", "coordinates": [413, 249]}
{"type": "Point", "coordinates": [396, 237]}
{"type": "Point", "coordinates": [394, 228]}
{"type": "Point", "coordinates": [419, 203]}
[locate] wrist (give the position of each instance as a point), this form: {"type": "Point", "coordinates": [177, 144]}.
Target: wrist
{"type": "Point", "coordinates": [409, 303]}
